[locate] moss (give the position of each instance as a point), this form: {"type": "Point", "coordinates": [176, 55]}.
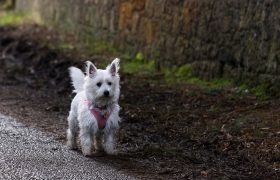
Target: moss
{"type": "Point", "coordinates": [243, 87]}
{"type": "Point", "coordinates": [101, 47]}
{"type": "Point", "coordinates": [214, 84]}
{"type": "Point", "coordinates": [10, 18]}
{"type": "Point", "coordinates": [184, 74]}
{"type": "Point", "coordinates": [184, 71]}
{"type": "Point", "coordinates": [222, 83]}
{"type": "Point", "coordinates": [92, 46]}
{"type": "Point", "coordinates": [139, 57]}
{"type": "Point", "coordinates": [138, 65]}
{"type": "Point", "coordinates": [261, 91]}
{"type": "Point", "coordinates": [173, 75]}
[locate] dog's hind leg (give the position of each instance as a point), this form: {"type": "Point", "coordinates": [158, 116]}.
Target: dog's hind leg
{"type": "Point", "coordinates": [72, 131]}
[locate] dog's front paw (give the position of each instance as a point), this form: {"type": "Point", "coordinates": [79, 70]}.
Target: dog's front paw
{"type": "Point", "coordinates": [110, 150]}
{"type": "Point", "coordinates": [87, 153]}
{"type": "Point", "coordinates": [71, 145]}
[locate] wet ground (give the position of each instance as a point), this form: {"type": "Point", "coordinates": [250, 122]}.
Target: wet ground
{"type": "Point", "coordinates": [176, 131]}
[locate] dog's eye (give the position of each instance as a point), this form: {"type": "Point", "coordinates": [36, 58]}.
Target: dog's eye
{"type": "Point", "coordinates": [99, 84]}
{"type": "Point", "coordinates": [109, 83]}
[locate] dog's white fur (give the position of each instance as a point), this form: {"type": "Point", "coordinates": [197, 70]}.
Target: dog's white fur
{"type": "Point", "coordinates": [81, 121]}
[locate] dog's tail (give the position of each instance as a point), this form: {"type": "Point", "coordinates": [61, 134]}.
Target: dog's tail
{"type": "Point", "coordinates": [78, 78]}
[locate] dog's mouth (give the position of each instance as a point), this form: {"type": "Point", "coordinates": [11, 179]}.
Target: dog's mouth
{"type": "Point", "coordinates": [103, 101]}
{"type": "Point", "coordinates": [105, 97]}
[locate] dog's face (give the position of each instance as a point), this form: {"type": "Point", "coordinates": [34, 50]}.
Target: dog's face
{"type": "Point", "coordinates": [102, 86]}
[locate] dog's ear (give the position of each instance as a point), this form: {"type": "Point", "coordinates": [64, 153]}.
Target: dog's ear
{"type": "Point", "coordinates": [114, 67]}
{"type": "Point", "coordinates": [91, 69]}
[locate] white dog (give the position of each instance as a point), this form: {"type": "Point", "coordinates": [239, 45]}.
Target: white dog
{"type": "Point", "coordinates": [94, 110]}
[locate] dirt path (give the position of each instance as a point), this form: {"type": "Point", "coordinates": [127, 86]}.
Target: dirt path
{"type": "Point", "coordinates": [27, 153]}
{"type": "Point", "coordinates": [168, 131]}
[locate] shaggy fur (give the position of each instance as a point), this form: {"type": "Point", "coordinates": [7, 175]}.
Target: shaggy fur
{"type": "Point", "coordinates": [98, 89]}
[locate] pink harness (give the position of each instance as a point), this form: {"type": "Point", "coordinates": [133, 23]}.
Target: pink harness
{"type": "Point", "coordinates": [99, 116]}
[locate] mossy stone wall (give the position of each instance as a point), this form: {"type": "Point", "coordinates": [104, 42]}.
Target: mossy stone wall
{"type": "Point", "coordinates": [220, 38]}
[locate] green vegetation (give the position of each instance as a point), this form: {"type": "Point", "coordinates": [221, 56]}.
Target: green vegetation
{"type": "Point", "coordinates": [137, 65]}
{"type": "Point", "coordinates": [98, 47]}
{"type": "Point", "coordinates": [139, 57]}
{"type": "Point", "coordinates": [178, 73]}
{"type": "Point", "coordinates": [261, 91]}
{"type": "Point", "coordinates": [212, 84]}
{"type": "Point", "coordinates": [10, 18]}
{"type": "Point", "coordinates": [184, 74]}
{"type": "Point", "coordinates": [132, 67]}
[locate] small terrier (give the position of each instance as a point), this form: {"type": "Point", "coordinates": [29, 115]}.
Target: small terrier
{"type": "Point", "coordinates": [94, 110]}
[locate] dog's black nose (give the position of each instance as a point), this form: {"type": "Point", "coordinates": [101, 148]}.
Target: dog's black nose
{"type": "Point", "coordinates": [106, 93]}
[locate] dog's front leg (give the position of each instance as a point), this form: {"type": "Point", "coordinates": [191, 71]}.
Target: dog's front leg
{"type": "Point", "coordinates": [86, 137]}
{"type": "Point", "coordinates": [109, 143]}
{"type": "Point", "coordinates": [98, 140]}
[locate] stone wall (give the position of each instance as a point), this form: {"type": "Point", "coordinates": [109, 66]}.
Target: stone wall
{"type": "Point", "coordinates": [220, 38]}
